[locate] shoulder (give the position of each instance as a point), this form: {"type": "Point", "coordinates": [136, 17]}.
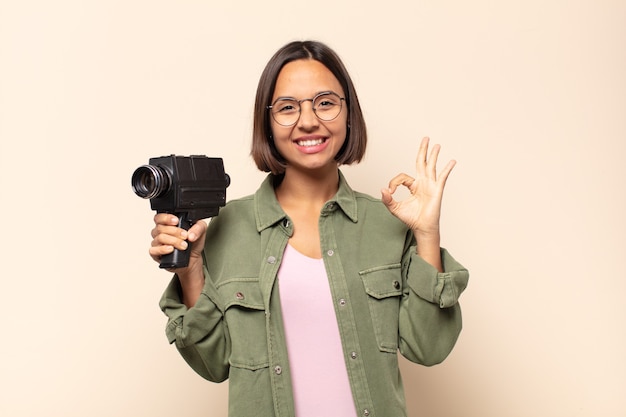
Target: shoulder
{"type": "Point", "coordinates": [238, 204]}
{"type": "Point", "coordinates": [371, 203]}
{"type": "Point", "coordinates": [366, 198]}
{"type": "Point", "coordinates": [237, 213]}
{"type": "Point", "coordinates": [371, 210]}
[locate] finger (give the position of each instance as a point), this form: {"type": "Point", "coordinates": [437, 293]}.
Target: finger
{"type": "Point", "coordinates": [388, 200]}
{"type": "Point", "coordinates": [422, 153]}
{"type": "Point", "coordinates": [164, 239]}
{"type": "Point", "coordinates": [160, 250]}
{"type": "Point", "coordinates": [443, 176]}
{"type": "Point", "coordinates": [169, 230]}
{"type": "Point", "coordinates": [400, 179]}
{"type": "Point", "coordinates": [196, 231]}
{"type": "Point", "coordinates": [431, 167]}
{"type": "Point", "coordinates": [165, 218]}
{"type": "Point", "coordinates": [386, 196]}
{"type": "Point", "coordinates": [156, 252]}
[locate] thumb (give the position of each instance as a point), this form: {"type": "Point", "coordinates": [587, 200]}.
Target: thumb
{"type": "Point", "coordinates": [386, 197]}
{"type": "Point", "coordinates": [197, 231]}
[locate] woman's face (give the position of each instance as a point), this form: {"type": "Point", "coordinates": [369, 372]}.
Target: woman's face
{"type": "Point", "coordinates": [309, 144]}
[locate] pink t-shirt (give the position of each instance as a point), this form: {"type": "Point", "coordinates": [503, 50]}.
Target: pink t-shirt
{"type": "Point", "coordinates": [318, 369]}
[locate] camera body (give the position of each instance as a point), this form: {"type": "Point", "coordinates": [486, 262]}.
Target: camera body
{"type": "Point", "coordinates": [190, 187]}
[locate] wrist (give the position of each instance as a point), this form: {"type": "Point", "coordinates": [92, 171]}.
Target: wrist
{"type": "Point", "coordinates": [191, 282]}
{"type": "Point", "coordinates": [431, 236]}
{"type": "Point", "coordinates": [429, 248]}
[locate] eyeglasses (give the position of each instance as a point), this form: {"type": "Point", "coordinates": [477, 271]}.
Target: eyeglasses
{"type": "Point", "coordinates": [326, 106]}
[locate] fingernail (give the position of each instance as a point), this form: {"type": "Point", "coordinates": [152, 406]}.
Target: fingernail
{"type": "Point", "coordinates": [191, 236]}
{"type": "Point", "coordinates": [184, 244]}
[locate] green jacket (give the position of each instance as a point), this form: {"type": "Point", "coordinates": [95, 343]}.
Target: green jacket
{"type": "Point", "coordinates": [387, 300]}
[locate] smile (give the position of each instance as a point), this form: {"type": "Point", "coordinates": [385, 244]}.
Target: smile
{"type": "Point", "coordinates": [310, 142]}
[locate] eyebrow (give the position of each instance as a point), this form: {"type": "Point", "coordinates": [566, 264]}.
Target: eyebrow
{"type": "Point", "coordinates": [315, 95]}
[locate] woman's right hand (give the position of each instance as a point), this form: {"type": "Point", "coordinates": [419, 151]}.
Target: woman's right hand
{"type": "Point", "coordinates": [167, 236]}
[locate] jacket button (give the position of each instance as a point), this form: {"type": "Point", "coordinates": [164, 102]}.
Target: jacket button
{"type": "Point", "coordinates": [366, 412]}
{"type": "Point", "coordinates": [271, 260]}
{"type": "Point", "coordinates": [330, 252]}
{"type": "Point", "coordinates": [353, 355]}
{"type": "Point", "coordinates": [239, 295]}
{"type": "Point", "coordinates": [396, 285]}
{"type": "Point", "coordinates": [342, 302]}
{"type": "Point", "coordinates": [278, 370]}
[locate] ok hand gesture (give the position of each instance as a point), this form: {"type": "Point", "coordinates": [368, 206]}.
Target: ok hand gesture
{"type": "Point", "coordinates": [422, 209]}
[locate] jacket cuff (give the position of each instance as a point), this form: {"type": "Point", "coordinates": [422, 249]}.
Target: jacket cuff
{"type": "Point", "coordinates": [442, 288]}
{"type": "Point", "coordinates": [172, 305]}
{"type": "Point", "coordinates": [187, 326]}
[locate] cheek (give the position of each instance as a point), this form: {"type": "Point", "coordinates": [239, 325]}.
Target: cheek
{"type": "Point", "coordinates": [275, 129]}
{"type": "Point", "coordinates": [342, 130]}
{"type": "Point", "coordinates": [344, 123]}
{"type": "Point", "coordinates": [280, 133]}
{"type": "Point", "coordinates": [343, 134]}
{"type": "Point", "coordinates": [280, 140]}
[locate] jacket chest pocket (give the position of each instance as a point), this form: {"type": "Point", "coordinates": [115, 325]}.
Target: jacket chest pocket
{"type": "Point", "coordinates": [383, 286]}
{"type": "Point", "coordinates": [244, 314]}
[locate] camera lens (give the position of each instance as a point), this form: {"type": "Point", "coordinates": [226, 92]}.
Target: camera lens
{"type": "Point", "coordinates": [149, 181]}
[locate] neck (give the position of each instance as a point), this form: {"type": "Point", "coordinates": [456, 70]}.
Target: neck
{"type": "Point", "coordinates": [308, 187]}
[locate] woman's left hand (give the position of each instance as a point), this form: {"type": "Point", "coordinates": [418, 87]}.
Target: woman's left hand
{"type": "Point", "coordinates": [422, 209]}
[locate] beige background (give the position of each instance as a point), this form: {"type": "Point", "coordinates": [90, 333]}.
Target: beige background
{"type": "Point", "coordinates": [528, 96]}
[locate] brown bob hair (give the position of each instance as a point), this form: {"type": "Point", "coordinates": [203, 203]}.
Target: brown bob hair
{"type": "Point", "coordinates": [264, 152]}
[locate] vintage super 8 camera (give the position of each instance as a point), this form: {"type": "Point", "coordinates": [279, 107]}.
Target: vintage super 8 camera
{"type": "Point", "coordinates": [190, 187]}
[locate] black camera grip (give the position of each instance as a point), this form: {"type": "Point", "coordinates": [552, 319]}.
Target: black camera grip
{"type": "Point", "coordinates": [178, 258]}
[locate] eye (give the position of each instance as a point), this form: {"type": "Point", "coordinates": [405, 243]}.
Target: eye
{"type": "Point", "coordinates": [326, 101]}
{"type": "Point", "coordinates": [285, 106]}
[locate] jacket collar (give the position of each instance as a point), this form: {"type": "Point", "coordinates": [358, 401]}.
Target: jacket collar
{"type": "Point", "coordinates": [268, 212]}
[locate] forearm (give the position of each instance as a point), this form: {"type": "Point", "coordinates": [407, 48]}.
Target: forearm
{"type": "Point", "coordinates": [199, 333]}
{"type": "Point", "coordinates": [191, 283]}
{"type": "Point", "coordinates": [432, 297]}
{"type": "Point", "coordinates": [429, 249]}
{"type": "Point", "coordinates": [429, 339]}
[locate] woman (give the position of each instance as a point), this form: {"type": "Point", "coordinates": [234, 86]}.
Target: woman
{"type": "Point", "coordinates": [303, 293]}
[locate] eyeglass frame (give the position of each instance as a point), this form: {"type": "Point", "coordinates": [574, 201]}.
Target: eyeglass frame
{"type": "Point", "coordinates": [312, 100]}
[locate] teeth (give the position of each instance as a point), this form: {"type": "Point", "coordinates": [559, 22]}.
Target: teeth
{"type": "Point", "coordinates": [311, 142]}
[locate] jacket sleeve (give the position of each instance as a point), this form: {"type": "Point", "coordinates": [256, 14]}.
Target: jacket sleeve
{"type": "Point", "coordinates": [430, 315]}
{"type": "Point", "coordinates": [199, 333]}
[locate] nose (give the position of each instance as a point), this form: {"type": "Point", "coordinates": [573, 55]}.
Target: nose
{"type": "Point", "coordinates": [307, 119]}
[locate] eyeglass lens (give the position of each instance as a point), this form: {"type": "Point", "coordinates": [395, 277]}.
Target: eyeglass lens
{"type": "Point", "coordinates": [326, 106]}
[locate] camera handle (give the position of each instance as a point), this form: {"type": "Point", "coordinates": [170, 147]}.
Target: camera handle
{"type": "Point", "coordinates": [178, 258]}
